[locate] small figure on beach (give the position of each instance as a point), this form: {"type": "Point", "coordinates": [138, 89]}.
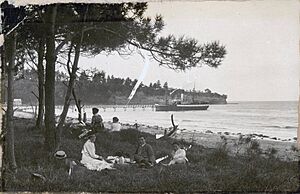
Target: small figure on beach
{"type": "Point", "coordinates": [178, 155]}
{"type": "Point", "coordinates": [136, 125]}
{"type": "Point", "coordinates": [144, 155]}
{"type": "Point", "coordinates": [97, 121]}
{"type": "Point", "coordinates": [89, 157]}
{"type": "Point", "coordinates": [115, 126]}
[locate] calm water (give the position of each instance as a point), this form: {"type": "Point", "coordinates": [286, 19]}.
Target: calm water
{"type": "Point", "coordinates": [275, 119]}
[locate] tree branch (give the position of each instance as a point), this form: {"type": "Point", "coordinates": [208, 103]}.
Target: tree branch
{"type": "Point", "coordinates": [65, 84]}
{"type": "Point", "coordinates": [31, 67]}
{"type": "Point", "coordinates": [69, 59]}
{"type": "Point", "coordinates": [31, 57]}
{"type": "Point", "coordinates": [62, 44]}
{"type": "Point", "coordinates": [34, 94]}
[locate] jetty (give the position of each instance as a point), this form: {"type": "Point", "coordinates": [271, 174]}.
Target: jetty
{"type": "Point", "coordinates": [101, 107]}
{"type": "Point", "coordinates": [132, 107]}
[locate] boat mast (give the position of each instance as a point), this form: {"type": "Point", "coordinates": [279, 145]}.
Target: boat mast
{"type": "Point", "coordinates": [193, 93]}
{"type": "Point", "coordinates": [166, 95]}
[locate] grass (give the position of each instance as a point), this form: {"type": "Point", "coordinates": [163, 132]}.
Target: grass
{"type": "Point", "coordinates": [208, 170]}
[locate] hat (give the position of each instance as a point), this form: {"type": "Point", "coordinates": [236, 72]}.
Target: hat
{"type": "Point", "coordinates": [95, 110]}
{"type": "Point", "coordinates": [60, 154]}
{"type": "Point", "coordinates": [115, 119]}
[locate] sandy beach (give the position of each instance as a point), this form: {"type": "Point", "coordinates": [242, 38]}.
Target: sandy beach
{"type": "Point", "coordinates": [286, 149]}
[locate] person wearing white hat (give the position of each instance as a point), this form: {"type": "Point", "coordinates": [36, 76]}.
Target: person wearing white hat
{"type": "Point", "coordinates": [90, 159]}
{"type": "Point", "coordinates": [63, 161]}
{"type": "Point", "coordinates": [60, 154]}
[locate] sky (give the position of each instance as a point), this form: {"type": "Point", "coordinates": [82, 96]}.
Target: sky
{"type": "Point", "coordinates": [261, 39]}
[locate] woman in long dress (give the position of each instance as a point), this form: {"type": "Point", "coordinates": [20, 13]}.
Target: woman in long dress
{"type": "Point", "coordinates": [89, 157]}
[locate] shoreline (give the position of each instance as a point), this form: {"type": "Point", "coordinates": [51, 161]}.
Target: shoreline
{"type": "Point", "coordinates": [265, 130]}
{"type": "Point", "coordinates": [286, 149]}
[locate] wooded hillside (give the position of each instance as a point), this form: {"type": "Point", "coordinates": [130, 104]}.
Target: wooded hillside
{"type": "Point", "coordinates": [96, 87]}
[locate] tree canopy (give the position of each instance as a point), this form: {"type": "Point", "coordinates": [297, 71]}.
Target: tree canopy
{"type": "Point", "coordinates": [117, 27]}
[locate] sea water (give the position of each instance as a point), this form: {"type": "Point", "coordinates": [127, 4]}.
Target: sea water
{"type": "Point", "coordinates": [273, 119]}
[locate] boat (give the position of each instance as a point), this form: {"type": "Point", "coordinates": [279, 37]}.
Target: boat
{"type": "Point", "coordinates": [181, 107]}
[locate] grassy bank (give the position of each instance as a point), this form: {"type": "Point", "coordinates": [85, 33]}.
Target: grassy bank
{"type": "Point", "coordinates": [208, 169]}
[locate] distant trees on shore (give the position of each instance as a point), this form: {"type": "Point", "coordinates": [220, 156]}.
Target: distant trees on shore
{"type": "Point", "coordinates": [96, 87]}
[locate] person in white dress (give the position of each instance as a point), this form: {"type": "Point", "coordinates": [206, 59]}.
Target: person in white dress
{"type": "Point", "coordinates": [90, 159]}
{"type": "Point", "coordinates": [115, 126]}
{"type": "Point", "coordinates": [179, 156]}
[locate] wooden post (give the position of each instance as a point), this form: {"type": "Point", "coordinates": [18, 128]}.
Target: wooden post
{"type": "Point", "coordinates": [79, 110]}
{"type": "Point", "coordinates": [84, 117]}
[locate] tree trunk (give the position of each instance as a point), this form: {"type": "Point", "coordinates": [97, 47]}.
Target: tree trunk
{"type": "Point", "coordinates": [50, 134]}
{"type": "Point", "coordinates": [41, 78]}
{"type": "Point", "coordinates": [69, 91]}
{"type": "Point", "coordinates": [11, 48]}
{"type": "Point", "coordinates": [71, 84]}
{"type": "Point", "coordinates": [3, 76]}
{"type": "Point", "coordinates": [2, 116]}
{"type": "Point", "coordinates": [78, 105]}
{"type": "Point", "coordinates": [79, 108]}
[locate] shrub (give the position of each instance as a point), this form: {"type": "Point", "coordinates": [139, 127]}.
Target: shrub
{"type": "Point", "coordinates": [220, 155]}
{"type": "Point", "coordinates": [271, 152]}
{"type": "Point", "coordinates": [294, 148]}
{"type": "Point", "coordinates": [253, 148]}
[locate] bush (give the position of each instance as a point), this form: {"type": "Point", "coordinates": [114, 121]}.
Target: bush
{"type": "Point", "coordinates": [271, 153]}
{"type": "Point", "coordinates": [220, 155]}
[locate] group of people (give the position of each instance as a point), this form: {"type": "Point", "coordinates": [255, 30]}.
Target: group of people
{"type": "Point", "coordinates": [97, 122]}
{"type": "Point", "coordinates": [144, 155]}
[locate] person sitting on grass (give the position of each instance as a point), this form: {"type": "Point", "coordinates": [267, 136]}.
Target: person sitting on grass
{"type": "Point", "coordinates": [63, 161]}
{"type": "Point", "coordinates": [178, 155]}
{"type": "Point", "coordinates": [144, 155]}
{"type": "Point", "coordinates": [97, 121]}
{"type": "Point", "coordinates": [115, 126]}
{"type": "Point", "coordinates": [90, 159]}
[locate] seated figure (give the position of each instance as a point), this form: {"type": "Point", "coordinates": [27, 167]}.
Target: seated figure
{"type": "Point", "coordinates": [97, 121]}
{"type": "Point", "coordinates": [90, 159]}
{"type": "Point", "coordinates": [144, 155]}
{"type": "Point", "coordinates": [63, 161]}
{"type": "Point", "coordinates": [115, 126]}
{"type": "Point", "coordinates": [178, 156]}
